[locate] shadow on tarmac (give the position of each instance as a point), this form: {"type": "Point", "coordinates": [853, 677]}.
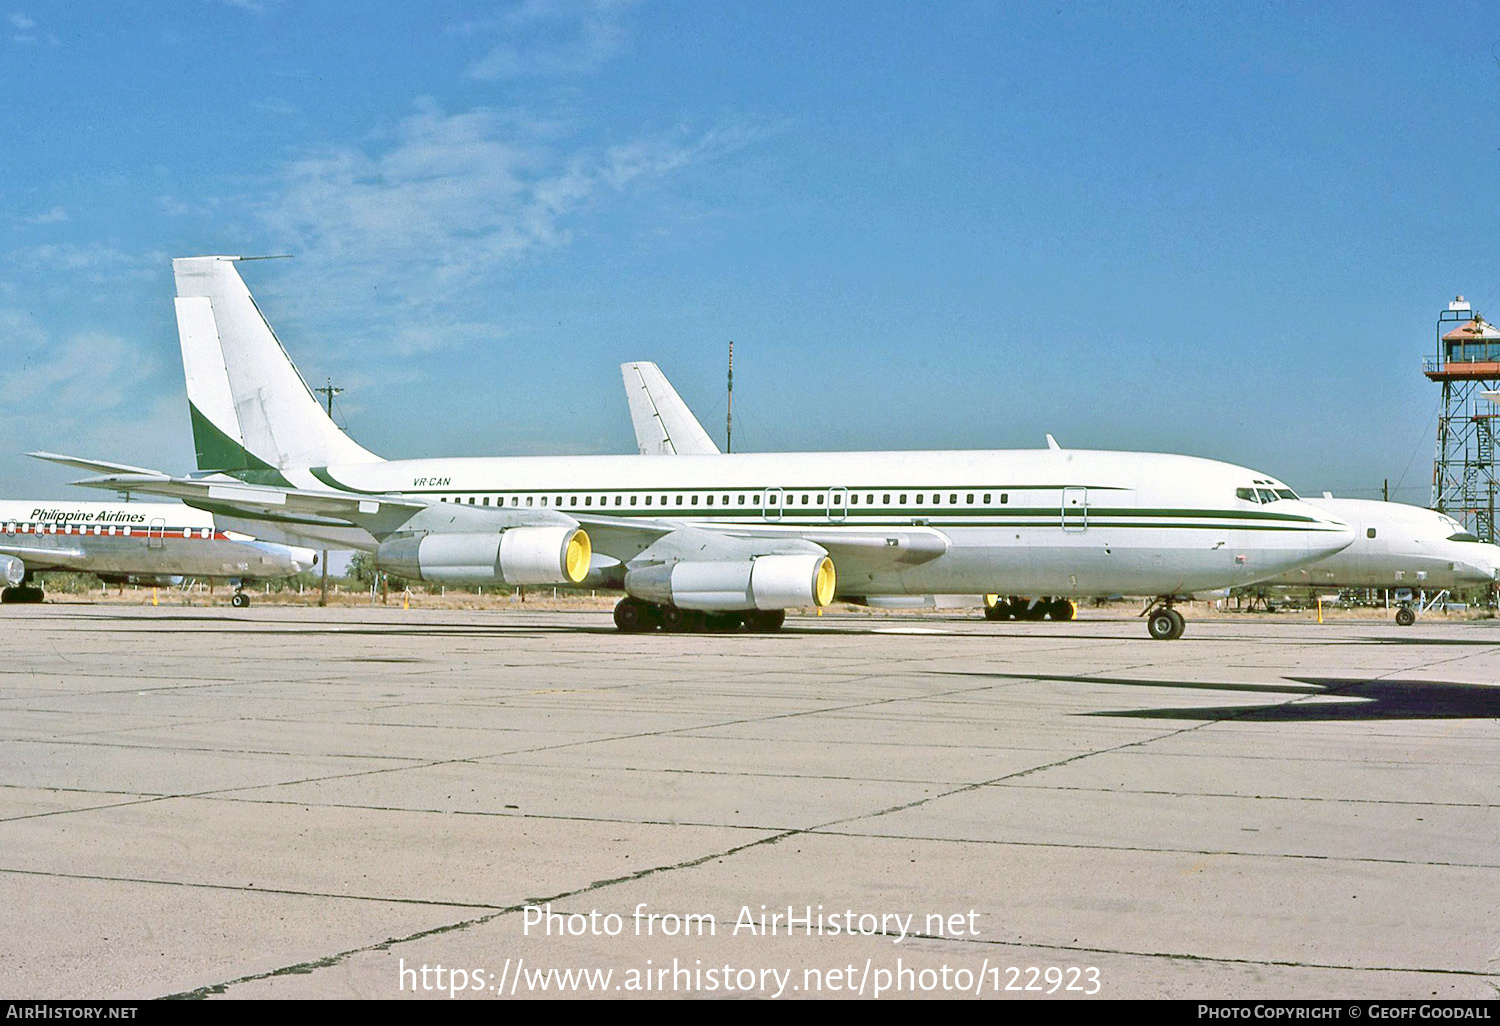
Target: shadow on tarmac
{"type": "Point", "coordinates": [1360, 700]}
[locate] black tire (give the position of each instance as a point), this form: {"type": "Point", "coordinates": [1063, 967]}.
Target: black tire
{"type": "Point", "coordinates": [677, 620]}
{"type": "Point", "coordinates": [22, 593]}
{"type": "Point", "coordinates": [1060, 609]}
{"type": "Point", "coordinates": [240, 600]}
{"type": "Point", "coordinates": [633, 615]}
{"type": "Point", "coordinates": [1405, 617]}
{"type": "Point", "coordinates": [1165, 624]}
{"type": "Point", "coordinates": [721, 622]}
{"type": "Point", "coordinates": [1026, 611]}
{"type": "Point", "coordinates": [763, 621]}
{"type": "Point", "coordinates": [999, 611]}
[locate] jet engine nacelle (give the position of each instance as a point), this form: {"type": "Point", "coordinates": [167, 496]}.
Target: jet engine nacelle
{"type": "Point", "coordinates": [12, 570]}
{"type": "Point", "coordinates": [765, 582]}
{"type": "Point", "coordinates": [518, 555]}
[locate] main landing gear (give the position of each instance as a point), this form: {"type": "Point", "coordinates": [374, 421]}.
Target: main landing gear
{"type": "Point", "coordinates": [1163, 622]}
{"type": "Point", "coordinates": [1029, 609]}
{"type": "Point", "coordinates": [26, 591]}
{"type": "Point", "coordinates": [1405, 617]}
{"type": "Point", "coordinates": [240, 600]}
{"type": "Point", "coordinates": [633, 615]}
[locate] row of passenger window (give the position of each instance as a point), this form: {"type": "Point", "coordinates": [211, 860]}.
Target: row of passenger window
{"type": "Point", "coordinates": [754, 500]}
{"type": "Point", "coordinates": [109, 530]}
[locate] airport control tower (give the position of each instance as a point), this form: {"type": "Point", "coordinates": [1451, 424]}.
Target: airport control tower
{"type": "Point", "coordinates": [1467, 365]}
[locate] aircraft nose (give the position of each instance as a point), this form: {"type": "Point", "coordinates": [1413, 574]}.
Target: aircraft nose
{"type": "Point", "coordinates": [1335, 535]}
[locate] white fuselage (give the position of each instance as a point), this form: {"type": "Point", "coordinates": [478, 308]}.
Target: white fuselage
{"type": "Point", "coordinates": [1057, 522]}
{"type": "Point", "coordinates": [136, 538]}
{"type": "Point", "coordinates": [1398, 546]}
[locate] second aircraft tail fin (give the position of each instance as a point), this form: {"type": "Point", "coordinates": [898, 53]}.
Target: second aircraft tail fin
{"type": "Point", "coordinates": [252, 413]}
{"type": "Point", "coordinates": [663, 423]}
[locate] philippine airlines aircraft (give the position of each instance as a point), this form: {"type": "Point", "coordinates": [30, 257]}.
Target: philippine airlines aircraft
{"type": "Point", "coordinates": [1398, 546]}
{"type": "Point", "coordinates": [712, 540]}
{"type": "Point", "coordinates": [131, 540]}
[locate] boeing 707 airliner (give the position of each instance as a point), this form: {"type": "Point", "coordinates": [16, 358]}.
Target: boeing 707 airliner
{"type": "Point", "coordinates": [717, 541]}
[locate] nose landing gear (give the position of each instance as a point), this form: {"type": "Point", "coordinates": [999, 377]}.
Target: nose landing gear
{"type": "Point", "coordinates": [1164, 623]}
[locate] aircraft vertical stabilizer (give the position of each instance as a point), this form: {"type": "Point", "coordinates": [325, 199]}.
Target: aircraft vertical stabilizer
{"type": "Point", "coordinates": [241, 382]}
{"type": "Point", "coordinates": [664, 426]}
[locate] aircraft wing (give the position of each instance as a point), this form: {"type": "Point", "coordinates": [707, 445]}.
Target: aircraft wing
{"type": "Point", "coordinates": [38, 555]}
{"type": "Point", "coordinates": [890, 548]}
{"type": "Point", "coordinates": [896, 546]}
{"type": "Point", "coordinates": [620, 538]}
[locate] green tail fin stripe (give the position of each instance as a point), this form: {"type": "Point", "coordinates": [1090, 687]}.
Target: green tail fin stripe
{"type": "Point", "coordinates": [218, 453]}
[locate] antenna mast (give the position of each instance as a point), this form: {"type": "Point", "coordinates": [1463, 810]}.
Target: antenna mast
{"type": "Point", "coordinates": [329, 391]}
{"type": "Point", "coordinates": [729, 413]}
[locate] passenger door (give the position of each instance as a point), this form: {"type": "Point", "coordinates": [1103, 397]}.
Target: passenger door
{"type": "Point", "coordinates": [1075, 509]}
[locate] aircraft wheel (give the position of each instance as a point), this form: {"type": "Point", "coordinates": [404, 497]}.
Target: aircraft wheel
{"type": "Point", "coordinates": [999, 611]}
{"type": "Point", "coordinates": [677, 620]}
{"type": "Point", "coordinates": [1405, 617]}
{"type": "Point", "coordinates": [1166, 624]}
{"type": "Point", "coordinates": [9, 595]}
{"type": "Point", "coordinates": [763, 621]}
{"type": "Point", "coordinates": [721, 621]}
{"type": "Point", "coordinates": [1061, 609]}
{"type": "Point", "coordinates": [240, 600]}
{"type": "Point", "coordinates": [22, 593]}
{"type": "Point", "coordinates": [1025, 611]}
{"type": "Point", "coordinates": [632, 615]}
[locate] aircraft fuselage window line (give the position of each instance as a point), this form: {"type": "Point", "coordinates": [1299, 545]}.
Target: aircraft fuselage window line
{"type": "Point", "coordinates": [115, 531]}
{"type": "Point", "coordinates": [844, 505]}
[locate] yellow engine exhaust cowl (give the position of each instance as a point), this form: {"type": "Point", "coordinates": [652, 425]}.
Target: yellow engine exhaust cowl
{"type": "Point", "coordinates": [576, 557]}
{"type": "Point", "coordinates": [824, 582]}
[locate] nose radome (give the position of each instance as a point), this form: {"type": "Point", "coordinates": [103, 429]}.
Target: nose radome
{"type": "Point", "coordinates": [1337, 536]}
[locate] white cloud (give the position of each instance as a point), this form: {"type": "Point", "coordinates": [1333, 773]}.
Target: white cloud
{"type": "Point", "coordinates": [548, 38]}
{"type": "Point", "coordinates": [253, 6]}
{"type": "Point", "coordinates": [92, 393]}
{"type": "Point", "coordinates": [53, 216]}
{"type": "Point", "coordinates": [445, 201]}
{"type": "Point", "coordinates": [24, 33]}
{"type": "Point", "coordinates": [95, 262]}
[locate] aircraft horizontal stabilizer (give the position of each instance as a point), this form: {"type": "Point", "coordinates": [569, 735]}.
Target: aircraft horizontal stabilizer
{"type": "Point", "coordinates": [220, 493]}
{"type": "Point", "coordinates": [96, 466]}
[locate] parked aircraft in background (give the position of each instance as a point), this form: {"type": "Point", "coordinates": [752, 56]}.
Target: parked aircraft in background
{"type": "Point", "coordinates": [1400, 547]}
{"type": "Point", "coordinates": [715, 541]}
{"type": "Point", "coordinates": [131, 540]}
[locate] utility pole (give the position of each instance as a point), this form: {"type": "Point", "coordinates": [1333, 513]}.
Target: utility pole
{"type": "Point", "coordinates": [729, 413]}
{"type": "Point", "coordinates": [329, 391]}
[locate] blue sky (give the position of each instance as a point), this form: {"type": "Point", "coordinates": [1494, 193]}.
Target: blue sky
{"type": "Point", "coordinates": [1223, 229]}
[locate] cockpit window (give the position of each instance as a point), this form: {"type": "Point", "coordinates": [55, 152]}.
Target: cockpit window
{"type": "Point", "coordinates": [1462, 536]}
{"type": "Point", "coordinates": [1264, 495]}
